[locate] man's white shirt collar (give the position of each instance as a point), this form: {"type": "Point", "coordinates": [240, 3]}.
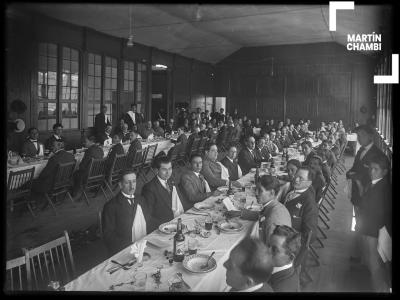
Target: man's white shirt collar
{"type": "Point", "coordinates": [253, 288]}
{"type": "Point", "coordinates": [266, 204]}
{"type": "Point", "coordinates": [163, 182]}
{"type": "Point", "coordinates": [300, 191]}
{"type": "Point", "coordinates": [278, 269]}
{"type": "Point", "coordinates": [197, 174]}
{"type": "Point", "coordinates": [130, 198]}
{"type": "Point", "coordinates": [231, 160]}
{"type": "Point", "coordinates": [56, 136]}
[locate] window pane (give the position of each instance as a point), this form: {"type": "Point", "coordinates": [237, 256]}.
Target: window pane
{"type": "Point", "coordinates": [74, 122]}
{"type": "Point", "coordinates": [108, 62]}
{"type": "Point", "coordinates": [74, 80]}
{"type": "Point", "coordinates": [131, 83]}
{"type": "Point", "coordinates": [107, 95]}
{"type": "Point", "coordinates": [98, 59]}
{"type": "Point", "coordinates": [42, 63]}
{"type": "Point", "coordinates": [96, 108]}
{"type": "Point", "coordinates": [125, 85]}
{"type": "Point", "coordinates": [74, 55]}
{"type": "Point", "coordinates": [90, 81]}
{"type": "Point", "coordinates": [114, 84]}
{"type": "Point", "coordinates": [114, 63]}
{"type": "Point", "coordinates": [65, 109]}
{"type": "Point", "coordinates": [98, 70]}
{"type": "Point", "coordinates": [97, 82]}
{"type": "Point", "coordinates": [66, 53]}
{"type": "Point", "coordinates": [51, 109]}
{"type": "Point", "coordinates": [114, 73]}
{"type": "Point", "coordinates": [41, 110]}
{"type": "Point", "coordinates": [52, 80]}
{"type": "Point", "coordinates": [107, 83]}
{"type": "Point", "coordinates": [90, 94]}
{"type": "Point", "coordinates": [52, 50]}
{"type": "Point", "coordinates": [74, 67]}
{"type": "Point", "coordinates": [91, 70]}
{"type": "Point", "coordinates": [52, 64]}
{"type": "Point", "coordinates": [74, 109]}
{"type": "Point", "coordinates": [42, 124]}
{"type": "Point", "coordinates": [66, 80]}
{"type": "Point", "coordinates": [51, 92]}
{"type": "Point", "coordinates": [74, 93]}
{"type": "Point", "coordinates": [97, 95]}
{"type": "Point", "coordinates": [126, 74]}
{"type": "Point", "coordinates": [91, 58]}
{"type": "Point", "coordinates": [65, 123]}
{"type": "Point", "coordinates": [108, 72]}
{"type": "Point", "coordinates": [65, 93]}
{"type": "Point", "coordinates": [131, 75]}
{"type": "Point", "coordinates": [50, 123]}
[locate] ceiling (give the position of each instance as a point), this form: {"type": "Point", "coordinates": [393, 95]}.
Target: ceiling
{"type": "Point", "coordinates": [212, 32]}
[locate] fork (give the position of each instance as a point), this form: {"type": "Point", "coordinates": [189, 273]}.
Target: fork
{"type": "Point", "coordinates": [206, 264]}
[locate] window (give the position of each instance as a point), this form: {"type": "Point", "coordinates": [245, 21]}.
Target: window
{"type": "Point", "coordinates": [94, 87]}
{"type": "Point", "coordinates": [53, 62]}
{"type": "Point", "coordinates": [141, 86]}
{"type": "Point", "coordinates": [110, 86]}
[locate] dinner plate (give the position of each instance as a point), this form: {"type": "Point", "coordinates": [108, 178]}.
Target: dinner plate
{"type": "Point", "coordinates": [168, 228]}
{"type": "Point", "coordinates": [254, 207]}
{"type": "Point", "coordinates": [231, 226]}
{"type": "Point", "coordinates": [200, 206]}
{"type": "Point", "coordinates": [193, 263]}
{"type": "Point", "coordinates": [223, 189]}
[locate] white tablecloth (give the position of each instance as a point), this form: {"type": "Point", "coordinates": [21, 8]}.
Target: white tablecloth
{"type": "Point", "coordinates": [98, 279]}
{"type": "Point", "coordinates": [163, 145]}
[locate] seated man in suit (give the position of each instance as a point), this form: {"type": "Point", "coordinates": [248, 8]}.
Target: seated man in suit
{"type": "Point", "coordinates": [247, 157]}
{"type": "Point", "coordinates": [170, 126]}
{"type": "Point", "coordinates": [80, 176]}
{"type": "Point", "coordinates": [193, 184]}
{"type": "Point", "coordinates": [284, 243]}
{"type": "Point", "coordinates": [290, 134]}
{"type": "Point", "coordinates": [269, 145]}
{"type": "Point", "coordinates": [125, 218]}
{"type": "Point", "coordinates": [116, 149]}
{"type": "Point", "coordinates": [308, 152]}
{"type": "Point", "coordinates": [125, 134]}
{"type": "Point", "coordinates": [262, 152]}
{"type": "Point", "coordinates": [296, 132]}
{"type": "Point", "coordinates": [300, 202]}
{"type": "Point", "coordinates": [330, 156]}
{"type": "Point", "coordinates": [44, 183]}
{"type": "Point", "coordinates": [135, 145]}
{"type": "Point", "coordinates": [57, 129]}
{"type": "Point", "coordinates": [182, 138]}
{"type": "Point", "coordinates": [213, 171]}
{"type": "Point", "coordinates": [105, 139]}
{"type": "Point", "coordinates": [249, 267]}
{"type": "Point", "coordinates": [374, 213]}
{"type": "Point", "coordinates": [285, 139]}
{"type": "Point", "coordinates": [275, 140]}
{"type": "Point", "coordinates": [318, 181]}
{"type": "Point", "coordinates": [147, 131]}
{"type": "Point", "coordinates": [230, 162]}
{"type": "Point", "coordinates": [32, 147]}
{"type": "Point", "coordinates": [101, 121]}
{"type": "Point", "coordinates": [158, 131]}
{"type": "Point", "coordinates": [120, 127]}
{"type": "Point", "coordinates": [273, 212]}
{"type": "Point", "coordinates": [164, 199]}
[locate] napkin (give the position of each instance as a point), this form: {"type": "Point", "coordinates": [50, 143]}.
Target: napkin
{"type": "Point", "coordinates": [137, 249]}
{"type": "Point", "coordinates": [384, 245]}
{"type": "Point", "coordinates": [228, 204]}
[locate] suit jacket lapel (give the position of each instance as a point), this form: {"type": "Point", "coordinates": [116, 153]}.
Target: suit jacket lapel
{"type": "Point", "coordinates": [165, 195]}
{"type": "Point", "coordinates": [281, 275]}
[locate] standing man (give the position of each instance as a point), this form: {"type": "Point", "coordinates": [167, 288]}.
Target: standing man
{"type": "Point", "coordinates": [105, 139]}
{"type": "Point", "coordinates": [57, 129]}
{"type": "Point", "coordinates": [132, 117]}
{"type": "Point", "coordinates": [32, 147]}
{"type": "Point", "coordinates": [125, 217]}
{"type": "Point", "coordinates": [162, 196]}
{"type": "Point", "coordinates": [101, 121]}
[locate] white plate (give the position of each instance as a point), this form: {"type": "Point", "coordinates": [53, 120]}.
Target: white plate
{"type": "Point", "coordinates": [254, 207]}
{"type": "Point", "coordinates": [223, 189]}
{"type": "Point", "coordinates": [168, 228]}
{"type": "Point", "coordinates": [231, 226]}
{"type": "Point", "coordinates": [193, 263]}
{"type": "Point", "coordinates": [203, 206]}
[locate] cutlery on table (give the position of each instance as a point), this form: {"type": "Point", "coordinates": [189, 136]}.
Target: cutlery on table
{"type": "Point", "coordinates": [251, 205]}
{"type": "Point", "coordinates": [205, 266]}
{"type": "Point", "coordinates": [183, 281]}
{"type": "Point", "coordinates": [125, 266]}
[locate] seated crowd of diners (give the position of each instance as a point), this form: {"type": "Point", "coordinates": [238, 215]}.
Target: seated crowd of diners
{"type": "Point", "coordinates": [262, 262]}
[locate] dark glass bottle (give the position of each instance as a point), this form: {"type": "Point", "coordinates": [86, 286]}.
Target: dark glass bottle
{"type": "Point", "coordinates": [179, 243]}
{"type": "Point", "coordinates": [230, 192]}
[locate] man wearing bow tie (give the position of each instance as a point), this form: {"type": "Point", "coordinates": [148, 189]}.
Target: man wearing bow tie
{"type": "Point", "coordinates": [32, 147]}
{"type": "Point", "coordinates": [163, 198]}
{"type": "Point", "coordinates": [193, 184]}
{"type": "Point", "coordinates": [125, 218]}
{"type": "Point", "coordinates": [247, 157]}
{"type": "Point", "coordinates": [57, 129]}
{"type": "Point", "coordinates": [300, 202]}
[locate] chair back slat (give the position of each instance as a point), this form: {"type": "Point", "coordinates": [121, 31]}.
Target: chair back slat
{"type": "Point", "coordinates": [302, 255]}
{"type": "Point", "coordinates": [20, 180]}
{"type": "Point", "coordinates": [18, 282]}
{"type": "Point", "coordinates": [139, 158]}
{"type": "Point", "coordinates": [64, 174]}
{"type": "Point", "coordinates": [62, 271]}
{"type": "Point", "coordinates": [151, 152]}
{"type": "Point", "coordinates": [96, 170]}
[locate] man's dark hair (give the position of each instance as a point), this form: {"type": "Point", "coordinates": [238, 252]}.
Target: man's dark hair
{"type": "Point", "coordinates": [118, 135]}
{"type": "Point", "coordinates": [194, 155]}
{"type": "Point", "coordinates": [317, 157]}
{"type": "Point", "coordinates": [308, 143]}
{"type": "Point", "coordinates": [57, 125]}
{"type": "Point", "coordinates": [294, 162]}
{"type": "Point", "coordinates": [209, 145]}
{"type": "Point", "coordinates": [232, 145]}
{"type": "Point", "coordinates": [269, 182]}
{"type": "Point", "coordinates": [381, 160]}
{"type": "Point", "coordinates": [161, 160]}
{"type": "Point", "coordinates": [30, 129]}
{"type": "Point", "coordinates": [308, 169]}
{"type": "Point", "coordinates": [257, 262]}
{"type": "Point", "coordinates": [126, 172]}
{"type": "Point", "coordinates": [104, 106]}
{"type": "Point", "coordinates": [292, 242]}
{"type": "Point", "coordinates": [133, 105]}
{"type": "Point", "coordinates": [367, 129]}
{"type": "Point", "coordinates": [91, 138]}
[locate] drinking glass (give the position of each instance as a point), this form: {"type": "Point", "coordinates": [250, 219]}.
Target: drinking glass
{"type": "Point", "coordinates": [208, 223]}
{"type": "Point", "coordinates": [140, 279]}
{"type": "Point", "coordinates": [192, 245]}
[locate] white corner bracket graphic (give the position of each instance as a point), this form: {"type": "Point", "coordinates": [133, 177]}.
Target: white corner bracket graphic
{"type": "Point", "coordinates": [333, 7]}
{"type": "Point", "coordinates": [394, 78]}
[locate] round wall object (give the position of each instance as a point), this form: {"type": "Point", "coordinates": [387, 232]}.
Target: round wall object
{"type": "Point", "coordinates": [20, 124]}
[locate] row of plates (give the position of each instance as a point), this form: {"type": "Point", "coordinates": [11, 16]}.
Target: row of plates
{"type": "Point", "coordinates": [231, 226]}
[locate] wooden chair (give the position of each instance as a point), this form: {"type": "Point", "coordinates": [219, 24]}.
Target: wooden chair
{"type": "Point", "coordinates": [52, 261]}
{"type": "Point", "coordinates": [300, 262]}
{"type": "Point", "coordinates": [96, 178]}
{"type": "Point", "coordinates": [173, 154]}
{"type": "Point", "coordinates": [62, 183]}
{"type": "Point", "coordinates": [148, 157]}
{"type": "Point", "coordinates": [19, 187]}
{"type": "Point", "coordinates": [117, 166]}
{"type": "Point", "coordinates": [202, 145]}
{"type": "Point", "coordinates": [193, 148]}
{"type": "Point", "coordinates": [137, 162]}
{"type": "Point", "coordinates": [21, 281]}
{"type": "Point", "coordinates": [182, 156]}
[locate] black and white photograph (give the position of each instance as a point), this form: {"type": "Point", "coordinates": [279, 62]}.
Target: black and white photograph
{"type": "Point", "coordinates": [163, 148]}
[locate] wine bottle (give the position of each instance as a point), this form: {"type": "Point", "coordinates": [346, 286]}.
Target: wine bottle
{"type": "Point", "coordinates": [179, 243]}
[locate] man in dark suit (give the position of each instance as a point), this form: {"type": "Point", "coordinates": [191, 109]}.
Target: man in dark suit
{"type": "Point", "coordinates": [125, 134]}
{"type": "Point", "coordinates": [247, 156]}
{"type": "Point", "coordinates": [285, 243]}
{"type": "Point", "coordinates": [300, 202]}
{"type": "Point", "coordinates": [170, 126]}
{"type": "Point", "coordinates": [262, 152]}
{"type": "Point", "coordinates": [318, 181]}
{"type": "Point", "coordinates": [146, 130]}
{"type": "Point", "coordinates": [296, 132]}
{"type": "Point", "coordinates": [162, 196]}
{"type": "Point", "coordinates": [249, 267]}
{"type": "Point", "coordinates": [221, 115]}
{"type": "Point", "coordinates": [45, 181]}
{"type": "Point", "coordinates": [230, 162]}
{"type": "Point", "coordinates": [32, 147]}
{"type": "Point", "coordinates": [276, 140]}
{"type": "Point", "coordinates": [116, 149]}
{"type": "Point", "coordinates": [375, 213]}
{"type": "Point", "coordinates": [132, 117]}
{"type": "Point", "coordinates": [192, 137]}
{"type": "Point", "coordinates": [57, 129]}
{"type": "Point", "coordinates": [248, 129]}
{"type": "Point", "coordinates": [105, 138]}
{"type": "Point", "coordinates": [308, 152]}
{"type": "Point", "coordinates": [101, 121]}
{"type": "Point", "coordinates": [133, 148]}
{"type": "Point", "coordinates": [158, 131]}
{"type": "Point", "coordinates": [182, 138]}
{"type": "Point", "coordinates": [80, 175]}
{"type": "Point", "coordinates": [193, 184]}
{"type": "Point", "coordinates": [125, 218]}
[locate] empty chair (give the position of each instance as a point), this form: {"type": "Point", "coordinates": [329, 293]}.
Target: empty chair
{"type": "Point", "coordinates": [52, 261]}
{"type": "Point", "coordinates": [96, 178]}
{"type": "Point", "coordinates": [18, 274]}
{"type": "Point", "coordinates": [117, 166]}
{"type": "Point", "coordinates": [19, 188]}
{"type": "Point", "coordinates": [62, 183]}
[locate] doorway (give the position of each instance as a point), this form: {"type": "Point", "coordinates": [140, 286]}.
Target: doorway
{"type": "Point", "coordinates": [159, 99]}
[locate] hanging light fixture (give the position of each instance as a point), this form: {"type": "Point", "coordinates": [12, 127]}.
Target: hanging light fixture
{"type": "Point", "coordinates": [130, 38]}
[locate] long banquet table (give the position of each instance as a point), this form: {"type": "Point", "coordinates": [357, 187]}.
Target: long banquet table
{"type": "Point", "coordinates": [163, 145]}
{"type": "Point", "coordinates": [98, 279]}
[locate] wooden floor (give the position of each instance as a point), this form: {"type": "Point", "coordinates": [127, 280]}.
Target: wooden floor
{"type": "Point", "coordinates": [335, 274]}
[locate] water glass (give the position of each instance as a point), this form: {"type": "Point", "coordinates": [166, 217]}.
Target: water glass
{"type": "Point", "coordinates": [140, 279]}
{"type": "Point", "coordinates": [192, 245]}
{"type": "Point", "coordinates": [208, 223]}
